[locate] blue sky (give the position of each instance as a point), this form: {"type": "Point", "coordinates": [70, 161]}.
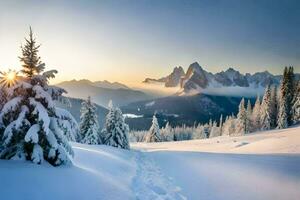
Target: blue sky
{"type": "Point", "coordinates": [128, 40]}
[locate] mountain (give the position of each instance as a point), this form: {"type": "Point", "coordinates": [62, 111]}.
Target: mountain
{"type": "Point", "coordinates": [172, 80]}
{"type": "Point", "coordinates": [101, 95]}
{"type": "Point", "coordinates": [179, 110]}
{"type": "Point", "coordinates": [196, 79]}
{"type": "Point", "coordinates": [110, 85]}
{"type": "Point", "coordinates": [73, 105]}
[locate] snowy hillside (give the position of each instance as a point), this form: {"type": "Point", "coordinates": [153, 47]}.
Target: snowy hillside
{"type": "Point", "coordinates": [285, 141]}
{"type": "Point", "coordinates": [259, 166]}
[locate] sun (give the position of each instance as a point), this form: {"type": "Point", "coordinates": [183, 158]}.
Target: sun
{"type": "Point", "coordinates": [11, 76]}
{"type": "Point", "coordinates": [7, 79]}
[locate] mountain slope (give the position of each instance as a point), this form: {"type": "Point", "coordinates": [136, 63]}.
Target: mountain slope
{"type": "Point", "coordinates": [84, 88]}
{"type": "Point", "coordinates": [73, 105]}
{"type": "Point", "coordinates": [172, 80]}
{"type": "Point", "coordinates": [179, 110]}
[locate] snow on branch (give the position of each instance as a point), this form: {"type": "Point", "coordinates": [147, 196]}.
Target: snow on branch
{"type": "Point", "coordinates": [32, 134]}
{"type": "Point", "coordinates": [42, 113]}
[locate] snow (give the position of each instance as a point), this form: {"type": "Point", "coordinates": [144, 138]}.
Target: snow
{"type": "Point", "coordinates": [42, 113]}
{"type": "Point", "coordinates": [283, 141]}
{"type": "Point", "coordinates": [37, 154]}
{"type": "Point", "coordinates": [263, 165]}
{"type": "Point", "coordinates": [11, 105]}
{"type": "Point", "coordinates": [129, 115]}
{"type": "Point", "coordinates": [32, 134]}
{"type": "Point", "coordinates": [99, 172]}
{"type": "Point", "coordinates": [149, 104]}
{"type": "Point", "coordinates": [42, 94]}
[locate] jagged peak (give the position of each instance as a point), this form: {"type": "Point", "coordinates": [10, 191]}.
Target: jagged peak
{"type": "Point", "coordinates": [231, 70]}
{"type": "Point", "coordinates": [178, 69]}
{"type": "Point", "coordinates": [194, 67]}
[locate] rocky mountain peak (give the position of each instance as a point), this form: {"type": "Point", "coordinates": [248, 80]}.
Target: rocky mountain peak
{"type": "Point", "coordinates": [196, 79]}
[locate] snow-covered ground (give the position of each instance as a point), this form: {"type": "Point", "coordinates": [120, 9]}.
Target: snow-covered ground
{"type": "Point", "coordinates": [258, 166]}
{"type": "Point", "coordinates": [285, 141]}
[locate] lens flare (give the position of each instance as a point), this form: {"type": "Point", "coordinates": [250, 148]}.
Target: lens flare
{"type": "Point", "coordinates": [8, 79]}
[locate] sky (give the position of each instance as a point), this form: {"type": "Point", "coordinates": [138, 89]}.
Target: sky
{"type": "Point", "coordinates": [129, 40]}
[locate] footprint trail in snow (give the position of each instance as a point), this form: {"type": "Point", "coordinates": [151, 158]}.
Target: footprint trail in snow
{"type": "Point", "coordinates": [150, 184]}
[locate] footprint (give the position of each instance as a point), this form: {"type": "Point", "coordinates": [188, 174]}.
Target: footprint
{"type": "Point", "coordinates": [242, 144]}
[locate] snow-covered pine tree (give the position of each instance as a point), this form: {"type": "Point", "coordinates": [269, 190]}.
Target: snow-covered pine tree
{"type": "Point", "coordinates": [116, 130]}
{"type": "Point", "coordinates": [274, 107]}
{"type": "Point", "coordinates": [215, 130]}
{"type": "Point", "coordinates": [241, 119]}
{"type": "Point", "coordinates": [221, 124]}
{"type": "Point", "coordinates": [68, 124]}
{"type": "Point", "coordinates": [2, 96]}
{"type": "Point", "coordinates": [210, 125]}
{"type": "Point", "coordinates": [229, 126]}
{"type": "Point", "coordinates": [167, 133]}
{"type": "Point", "coordinates": [282, 118]}
{"type": "Point", "coordinates": [199, 132]}
{"type": "Point", "coordinates": [255, 119]}
{"type": "Point", "coordinates": [89, 127]}
{"type": "Point", "coordinates": [248, 118]}
{"type": "Point", "coordinates": [290, 94]}
{"type": "Point", "coordinates": [154, 132]}
{"type": "Point", "coordinates": [225, 126]}
{"type": "Point", "coordinates": [265, 117]}
{"type": "Point", "coordinates": [29, 119]}
{"type": "Point", "coordinates": [296, 106]}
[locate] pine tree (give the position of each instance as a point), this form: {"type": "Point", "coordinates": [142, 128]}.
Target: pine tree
{"type": "Point", "coordinates": [30, 122]}
{"type": "Point", "coordinates": [32, 64]}
{"type": "Point", "coordinates": [248, 118]}
{"type": "Point", "coordinates": [274, 107]}
{"type": "Point", "coordinates": [210, 125]}
{"type": "Point", "coordinates": [221, 124]}
{"type": "Point", "coordinates": [229, 126]}
{"type": "Point", "coordinates": [116, 130]}
{"type": "Point", "coordinates": [284, 101]}
{"type": "Point", "coordinates": [255, 119]}
{"type": "Point", "coordinates": [154, 132]}
{"type": "Point", "coordinates": [265, 118]}
{"type": "Point", "coordinates": [199, 132]}
{"type": "Point", "coordinates": [89, 127]}
{"type": "Point", "coordinates": [215, 130]}
{"type": "Point", "coordinates": [167, 133]}
{"type": "Point", "coordinates": [296, 106]}
{"type": "Point", "coordinates": [3, 96]}
{"type": "Point", "coordinates": [290, 93]}
{"type": "Point", "coordinates": [241, 118]}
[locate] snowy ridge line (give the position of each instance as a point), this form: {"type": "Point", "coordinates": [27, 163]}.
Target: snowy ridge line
{"type": "Point", "coordinates": [150, 183]}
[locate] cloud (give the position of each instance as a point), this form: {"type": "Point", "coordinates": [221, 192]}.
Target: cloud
{"type": "Point", "coordinates": [234, 91]}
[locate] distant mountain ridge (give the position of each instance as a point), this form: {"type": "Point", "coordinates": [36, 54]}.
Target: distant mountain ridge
{"type": "Point", "coordinates": [197, 79]}
{"type": "Point", "coordinates": [102, 92]}
{"type": "Point", "coordinates": [102, 84]}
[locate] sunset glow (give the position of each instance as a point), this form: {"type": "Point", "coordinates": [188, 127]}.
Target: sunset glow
{"type": "Point", "coordinates": [8, 78]}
